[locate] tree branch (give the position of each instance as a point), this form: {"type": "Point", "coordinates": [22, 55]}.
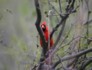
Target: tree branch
{"type": "Point", "coordinates": [60, 6]}
{"type": "Point", "coordinates": [83, 66]}
{"type": "Point", "coordinates": [58, 25]}
{"type": "Point", "coordinates": [68, 57]}
{"type": "Point", "coordinates": [37, 23]}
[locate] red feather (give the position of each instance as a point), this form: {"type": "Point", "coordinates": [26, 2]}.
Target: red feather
{"type": "Point", "coordinates": [46, 33]}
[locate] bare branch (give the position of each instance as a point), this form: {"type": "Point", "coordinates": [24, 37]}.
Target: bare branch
{"type": "Point", "coordinates": [60, 6]}
{"type": "Point", "coordinates": [68, 57]}
{"type": "Point", "coordinates": [65, 36]}
{"type": "Point", "coordinates": [37, 23]}
{"type": "Point", "coordinates": [70, 42]}
{"type": "Point", "coordinates": [64, 17]}
{"type": "Point", "coordinates": [58, 25]}
{"type": "Point", "coordinates": [83, 66]}
{"type": "Point", "coordinates": [55, 10]}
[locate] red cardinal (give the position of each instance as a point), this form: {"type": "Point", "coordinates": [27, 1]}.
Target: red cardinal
{"type": "Point", "coordinates": [46, 33]}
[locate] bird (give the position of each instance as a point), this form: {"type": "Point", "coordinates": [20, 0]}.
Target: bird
{"type": "Point", "coordinates": [46, 33]}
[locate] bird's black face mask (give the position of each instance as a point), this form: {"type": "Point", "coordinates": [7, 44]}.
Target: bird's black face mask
{"type": "Point", "coordinates": [43, 27]}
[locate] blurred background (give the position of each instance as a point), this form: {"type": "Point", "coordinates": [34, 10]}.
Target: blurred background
{"type": "Point", "coordinates": [18, 42]}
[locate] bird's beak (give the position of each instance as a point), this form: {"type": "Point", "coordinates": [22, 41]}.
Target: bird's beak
{"type": "Point", "coordinates": [43, 27]}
